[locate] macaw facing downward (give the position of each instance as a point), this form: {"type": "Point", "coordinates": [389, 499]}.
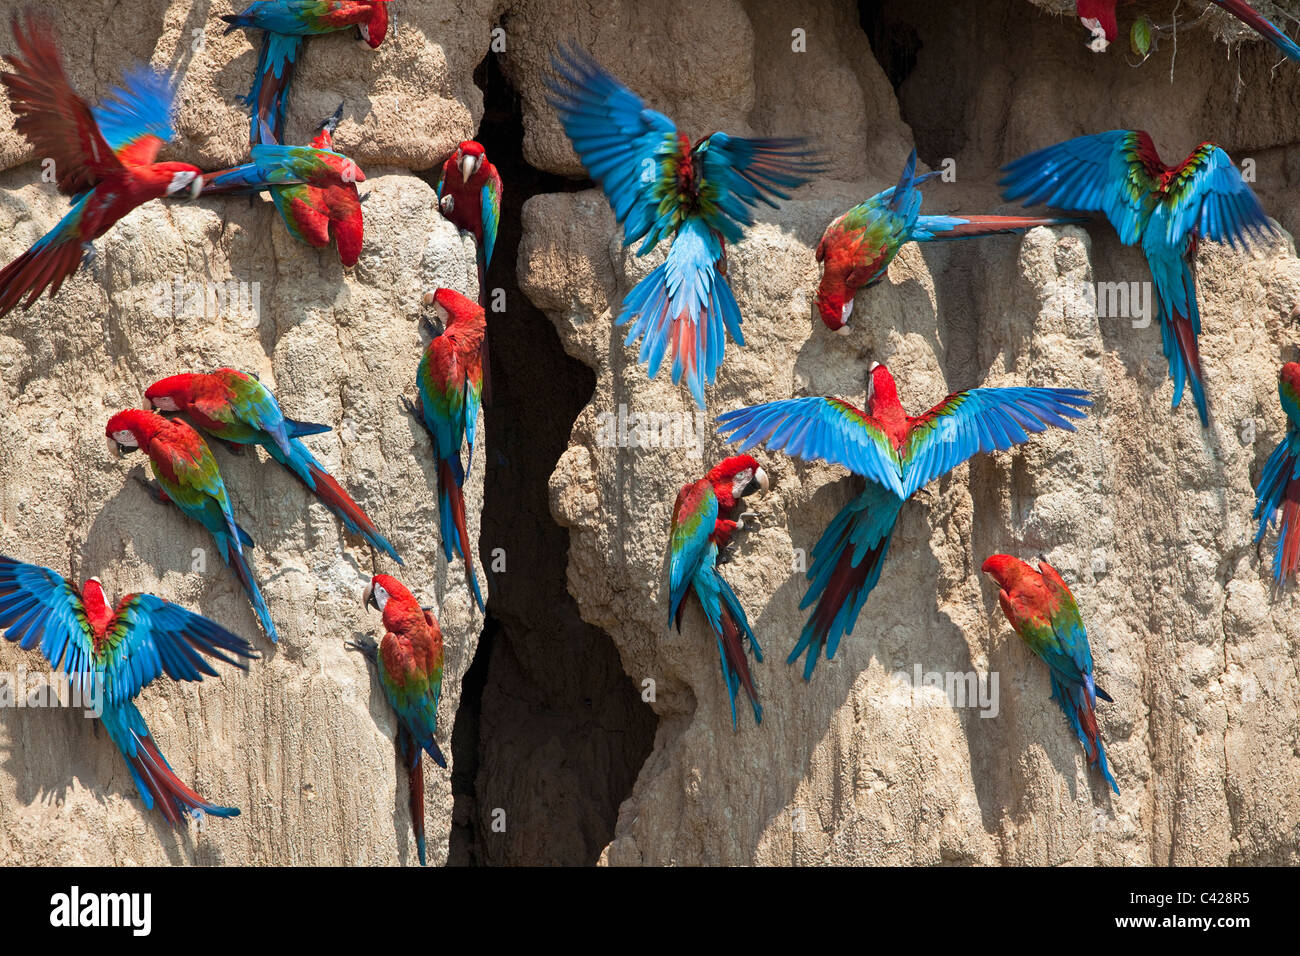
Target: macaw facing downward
{"type": "Point", "coordinates": [285, 23]}
{"type": "Point", "coordinates": [103, 158]}
{"type": "Point", "coordinates": [1166, 209]}
{"type": "Point", "coordinates": [449, 383]}
{"type": "Point", "coordinates": [313, 187]}
{"type": "Point", "coordinates": [187, 474]}
{"type": "Point", "coordinates": [240, 410]}
{"type": "Point", "coordinates": [1278, 491]}
{"type": "Point", "coordinates": [1099, 17]}
{"type": "Point", "coordinates": [661, 187]}
{"type": "Point", "coordinates": [409, 659]}
{"type": "Point", "coordinates": [1043, 612]}
{"type": "Point", "coordinates": [702, 525]}
{"type": "Point", "coordinates": [857, 248]}
{"type": "Point", "coordinates": [898, 455]}
{"type": "Point", "coordinates": [118, 651]}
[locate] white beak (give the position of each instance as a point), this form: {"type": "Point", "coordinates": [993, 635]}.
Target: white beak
{"type": "Point", "coordinates": [763, 484]}
{"type": "Point", "coordinates": [844, 330]}
{"type": "Point", "coordinates": [196, 187]}
{"type": "Point", "coordinates": [468, 166]}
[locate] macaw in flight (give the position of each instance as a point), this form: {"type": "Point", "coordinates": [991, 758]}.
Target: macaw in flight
{"type": "Point", "coordinates": [1278, 492]}
{"type": "Point", "coordinates": [1098, 16]}
{"type": "Point", "coordinates": [187, 476]}
{"type": "Point", "coordinates": [897, 454]}
{"type": "Point", "coordinates": [858, 246]}
{"type": "Point", "coordinates": [119, 651]}
{"type": "Point", "coordinates": [103, 158]}
{"type": "Point", "coordinates": [284, 25]}
{"type": "Point", "coordinates": [239, 410]}
{"type": "Point", "coordinates": [661, 187]}
{"type": "Point", "coordinates": [313, 187]}
{"type": "Point", "coordinates": [1043, 612]}
{"type": "Point", "coordinates": [704, 518]}
{"type": "Point", "coordinates": [1167, 210]}
{"type": "Point", "coordinates": [410, 661]}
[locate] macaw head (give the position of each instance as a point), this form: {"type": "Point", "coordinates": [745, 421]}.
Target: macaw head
{"type": "Point", "coordinates": [835, 303]}
{"type": "Point", "coordinates": [374, 30]}
{"type": "Point", "coordinates": [470, 157]}
{"type": "Point", "coordinates": [737, 477]}
{"type": "Point", "coordinates": [1098, 16]}
{"type": "Point", "coordinates": [1005, 570]}
{"type": "Point", "coordinates": [882, 391]}
{"type": "Point", "coordinates": [390, 597]}
{"type": "Point", "coordinates": [179, 179]}
{"type": "Point", "coordinates": [129, 429]}
{"type": "Point", "coordinates": [171, 394]}
{"type": "Point", "coordinates": [452, 307]}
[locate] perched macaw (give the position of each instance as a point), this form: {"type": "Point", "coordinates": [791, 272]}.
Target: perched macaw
{"type": "Point", "coordinates": [313, 187]}
{"type": "Point", "coordinates": [409, 659]}
{"type": "Point", "coordinates": [240, 410]}
{"type": "Point", "coordinates": [857, 248]}
{"type": "Point", "coordinates": [1165, 209]}
{"type": "Point", "coordinates": [449, 383]}
{"type": "Point", "coordinates": [469, 194]}
{"type": "Point", "coordinates": [897, 454]}
{"type": "Point", "coordinates": [702, 525]}
{"type": "Point", "coordinates": [660, 186]}
{"type": "Point", "coordinates": [102, 158]}
{"type": "Point", "coordinates": [1099, 17]}
{"type": "Point", "coordinates": [115, 652]}
{"type": "Point", "coordinates": [187, 473]}
{"type": "Point", "coordinates": [1043, 612]}
{"type": "Point", "coordinates": [285, 23]}
{"type": "Point", "coordinates": [1279, 483]}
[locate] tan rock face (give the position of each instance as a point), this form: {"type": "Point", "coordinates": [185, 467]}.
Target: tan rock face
{"type": "Point", "coordinates": [1144, 512]}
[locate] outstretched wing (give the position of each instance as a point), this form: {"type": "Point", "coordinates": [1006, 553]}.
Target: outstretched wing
{"type": "Point", "coordinates": [1208, 194]}
{"type": "Point", "coordinates": [1114, 172]}
{"type": "Point", "coordinates": [136, 119]}
{"type": "Point", "coordinates": [55, 120]}
{"type": "Point", "coordinates": [695, 513]}
{"type": "Point", "coordinates": [738, 174]}
{"type": "Point", "coordinates": [148, 636]}
{"type": "Point", "coordinates": [38, 606]}
{"type": "Point", "coordinates": [982, 419]}
{"type": "Point", "coordinates": [827, 429]}
{"type": "Point", "coordinates": [628, 148]}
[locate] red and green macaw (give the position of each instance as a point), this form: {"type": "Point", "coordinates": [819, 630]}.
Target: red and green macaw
{"type": "Point", "coordinates": [240, 410]}
{"type": "Point", "coordinates": [284, 25]}
{"type": "Point", "coordinates": [103, 158]}
{"type": "Point", "coordinates": [409, 659]}
{"type": "Point", "coordinates": [449, 384]}
{"type": "Point", "coordinates": [1100, 19]}
{"type": "Point", "coordinates": [704, 517]}
{"type": "Point", "coordinates": [1279, 483]}
{"type": "Point", "coordinates": [313, 187]}
{"type": "Point", "coordinates": [897, 454]}
{"type": "Point", "coordinates": [1168, 210]}
{"type": "Point", "coordinates": [661, 187]}
{"type": "Point", "coordinates": [114, 653]}
{"type": "Point", "coordinates": [187, 474]}
{"type": "Point", "coordinates": [1043, 612]}
{"type": "Point", "coordinates": [857, 248]}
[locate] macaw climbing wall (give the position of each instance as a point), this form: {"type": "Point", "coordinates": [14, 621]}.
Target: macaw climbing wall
{"type": "Point", "coordinates": [1145, 513]}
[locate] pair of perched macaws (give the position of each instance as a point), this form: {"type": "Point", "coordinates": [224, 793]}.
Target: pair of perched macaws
{"type": "Point", "coordinates": [114, 653]}
{"type": "Point", "coordinates": [239, 410]}
{"type": "Point", "coordinates": [1101, 21]}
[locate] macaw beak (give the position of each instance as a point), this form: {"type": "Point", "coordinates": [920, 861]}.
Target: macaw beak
{"type": "Point", "coordinates": [466, 167]}
{"type": "Point", "coordinates": [845, 312]}
{"type": "Point", "coordinates": [1098, 43]}
{"type": "Point", "coordinates": [368, 600]}
{"type": "Point", "coordinates": [763, 482]}
{"type": "Point", "coordinates": [196, 187]}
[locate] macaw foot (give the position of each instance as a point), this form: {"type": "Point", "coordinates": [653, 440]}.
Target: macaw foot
{"type": "Point", "coordinates": [366, 645]}
{"type": "Point", "coordinates": [412, 408]}
{"type": "Point", "coordinates": [90, 259]}
{"type": "Point", "coordinates": [430, 327]}
{"type": "Point", "coordinates": [155, 490]}
{"type": "Point", "coordinates": [753, 520]}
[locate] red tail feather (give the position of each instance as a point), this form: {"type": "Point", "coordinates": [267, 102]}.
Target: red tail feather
{"type": "Point", "coordinates": [34, 270]}
{"type": "Point", "coordinates": [733, 645]}
{"type": "Point", "coordinates": [1291, 522]}
{"type": "Point", "coordinates": [447, 485]}
{"type": "Point", "coordinates": [332, 495]}
{"type": "Point", "coordinates": [169, 792]}
{"type": "Point", "coordinates": [414, 765]}
{"type": "Point", "coordinates": [994, 225]}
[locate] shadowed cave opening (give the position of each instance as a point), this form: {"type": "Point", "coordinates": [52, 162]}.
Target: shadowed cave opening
{"type": "Point", "coordinates": [550, 730]}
